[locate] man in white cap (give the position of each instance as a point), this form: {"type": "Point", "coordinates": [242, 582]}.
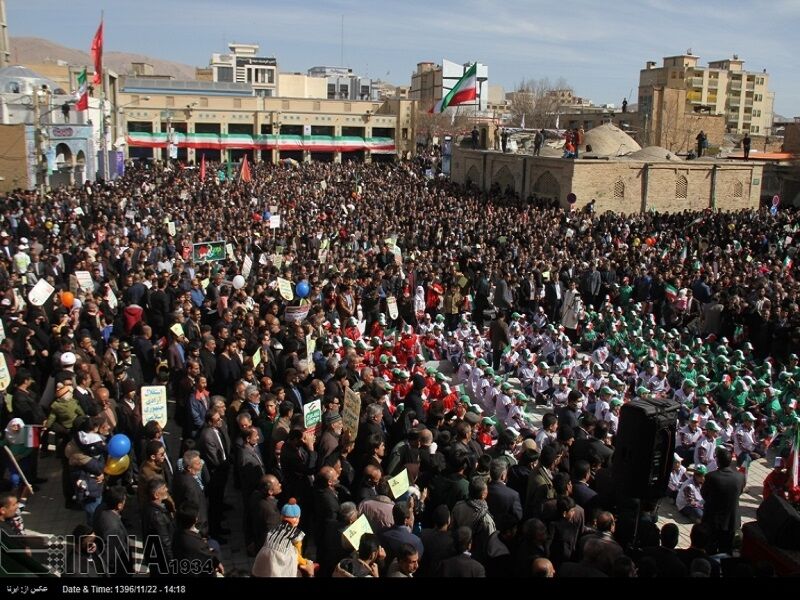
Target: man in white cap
{"type": "Point", "coordinates": [689, 501]}
{"type": "Point", "coordinates": [676, 476]}
{"type": "Point", "coordinates": [745, 442]}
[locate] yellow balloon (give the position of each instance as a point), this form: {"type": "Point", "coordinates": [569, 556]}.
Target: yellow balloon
{"type": "Point", "coordinates": [117, 466]}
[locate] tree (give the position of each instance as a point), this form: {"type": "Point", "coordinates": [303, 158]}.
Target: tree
{"type": "Point", "coordinates": [539, 100]}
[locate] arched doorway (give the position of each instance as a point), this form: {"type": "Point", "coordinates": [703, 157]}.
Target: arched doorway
{"type": "Point", "coordinates": [547, 187]}
{"type": "Point", "coordinates": [62, 175]}
{"type": "Point", "coordinates": [505, 180]}
{"type": "Point", "coordinates": [473, 177]}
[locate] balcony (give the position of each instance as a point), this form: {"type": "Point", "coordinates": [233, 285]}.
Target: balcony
{"type": "Point", "coordinates": [736, 86]}
{"type": "Point", "coordinates": [712, 99]}
{"type": "Point", "coordinates": [696, 82]}
{"type": "Point", "coordinates": [713, 83]}
{"type": "Point", "coordinates": [748, 102]}
{"type": "Point", "coordinates": [694, 97]}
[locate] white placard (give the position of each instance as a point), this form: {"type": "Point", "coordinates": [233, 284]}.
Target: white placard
{"type": "Point", "coordinates": [154, 404]}
{"type": "Point", "coordinates": [171, 228]}
{"type": "Point", "coordinates": [274, 221]}
{"type": "Point", "coordinates": [40, 292]}
{"type": "Point", "coordinates": [85, 280]}
{"type": "Point", "coordinates": [247, 266]}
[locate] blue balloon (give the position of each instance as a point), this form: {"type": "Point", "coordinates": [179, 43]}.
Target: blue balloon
{"type": "Point", "coordinates": [303, 289]}
{"type": "Point", "coordinates": [119, 446]}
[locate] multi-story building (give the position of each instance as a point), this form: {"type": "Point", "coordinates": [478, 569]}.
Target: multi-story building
{"type": "Point", "coordinates": [431, 82]}
{"type": "Point", "coordinates": [721, 88]}
{"type": "Point", "coordinates": [225, 121]}
{"type": "Point", "coordinates": [343, 84]}
{"type": "Point", "coordinates": [242, 65]}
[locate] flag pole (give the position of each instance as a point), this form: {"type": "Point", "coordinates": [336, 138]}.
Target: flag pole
{"type": "Point", "coordinates": [16, 466]}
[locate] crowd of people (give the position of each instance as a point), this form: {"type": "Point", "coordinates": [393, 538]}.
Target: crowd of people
{"type": "Point", "coordinates": [482, 347]}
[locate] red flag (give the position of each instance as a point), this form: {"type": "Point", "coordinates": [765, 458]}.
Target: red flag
{"type": "Point", "coordinates": [244, 174]}
{"type": "Point", "coordinates": [97, 55]}
{"type": "Point", "coordinates": [203, 168]}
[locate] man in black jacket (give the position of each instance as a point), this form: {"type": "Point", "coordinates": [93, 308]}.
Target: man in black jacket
{"type": "Point", "coordinates": [188, 487]}
{"type": "Point", "coordinates": [214, 451]}
{"type": "Point", "coordinates": [502, 500]}
{"type": "Point", "coordinates": [462, 564]}
{"type": "Point", "coordinates": [190, 545]}
{"type": "Point", "coordinates": [262, 512]}
{"type": "Point", "coordinates": [721, 492]}
{"type": "Point", "coordinates": [110, 529]}
{"type": "Point", "coordinates": [158, 528]}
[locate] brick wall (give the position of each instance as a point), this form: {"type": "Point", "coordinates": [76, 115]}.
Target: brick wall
{"type": "Point", "coordinates": [616, 185]}
{"type": "Point", "coordinates": [14, 166]}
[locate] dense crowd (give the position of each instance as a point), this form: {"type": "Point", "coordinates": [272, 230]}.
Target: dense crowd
{"type": "Point", "coordinates": [480, 346]}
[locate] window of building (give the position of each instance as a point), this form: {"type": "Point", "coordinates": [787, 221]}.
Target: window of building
{"type": "Point", "coordinates": [365, 92]}
{"type": "Point", "coordinates": [331, 91]}
{"type": "Point", "coordinates": [344, 91]}
{"type": "Point", "coordinates": [404, 133]}
{"type": "Point", "coordinates": [225, 74]}
{"type": "Point", "coordinates": [737, 189]}
{"type": "Point", "coordinates": [681, 188]}
{"type": "Point", "coordinates": [270, 75]}
{"type": "Point", "coordinates": [619, 190]}
{"type": "Point", "coordinates": [755, 129]}
{"type": "Point", "coordinates": [170, 100]}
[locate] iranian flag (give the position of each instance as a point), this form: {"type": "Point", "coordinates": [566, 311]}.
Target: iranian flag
{"type": "Point", "coordinates": [671, 292]}
{"type": "Point", "coordinates": [684, 254]}
{"type": "Point", "coordinates": [794, 457]}
{"type": "Point", "coordinates": [788, 263]}
{"type": "Point", "coordinates": [83, 92]}
{"type": "Point", "coordinates": [244, 173]}
{"type": "Point", "coordinates": [32, 436]}
{"type": "Point", "coordinates": [464, 91]}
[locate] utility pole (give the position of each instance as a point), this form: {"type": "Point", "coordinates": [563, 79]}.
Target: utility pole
{"type": "Point", "coordinates": [5, 48]}
{"type": "Point", "coordinates": [41, 170]}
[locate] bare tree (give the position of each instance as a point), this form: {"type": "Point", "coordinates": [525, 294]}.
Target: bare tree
{"type": "Point", "coordinates": [539, 101]}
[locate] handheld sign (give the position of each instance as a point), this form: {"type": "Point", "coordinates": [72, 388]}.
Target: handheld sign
{"type": "Point", "coordinates": [85, 280]}
{"type": "Point", "coordinates": [40, 292]}
{"type": "Point", "coordinates": [247, 266]}
{"type": "Point", "coordinates": [229, 251]}
{"type": "Point", "coordinates": [274, 221]}
{"type": "Point", "coordinates": [296, 313]}
{"type": "Point", "coordinates": [356, 531]}
{"type": "Point", "coordinates": [5, 375]}
{"type": "Point", "coordinates": [312, 414]}
{"type": "Point", "coordinates": [177, 329]}
{"type": "Point", "coordinates": [111, 298]}
{"type": "Point", "coordinates": [311, 345]}
{"type": "Point", "coordinates": [256, 358]}
{"type": "Point", "coordinates": [391, 303]}
{"type": "Point", "coordinates": [154, 404]}
{"type": "Point", "coordinates": [776, 200]}
{"type": "Point", "coordinates": [171, 228]}
{"type": "Point", "coordinates": [350, 412]}
{"type": "Point", "coordinates": [399, 484]}
{"type": "Point", "coordinates": [285, 288]}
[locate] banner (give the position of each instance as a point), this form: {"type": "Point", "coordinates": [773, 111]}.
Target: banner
{"type": "Point", "coordinates": [40, 292]}
{"type": "Point", "coordinates": [208, 251]}
{"type": "Point", "coordinates": [229, 251]}
{"type": "Point", "coordinates": [85, 280]}
{"type": "Point", "coordinates": [274, 221]}
{"type": "Point", "coordinates": [296, 313]}
{"type": "Point", "coordinates": [154, 404]}
{"type": "Point", "coordinates": [391, 302]}
{"type": "Point", "coordinates": [247, 266]}
{"type": "Point", "coordinates": [285, 288]}
{"type": "Point", "coordinates": [350, 412]}
{"type": "Point", "coordinates": [171, 228]}
{"type": "Point", "coordinates": [111, 298]}
{"type": "Point", "coordinates": [277, 261]}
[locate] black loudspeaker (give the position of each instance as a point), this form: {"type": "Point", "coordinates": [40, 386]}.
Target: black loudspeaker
{"type": "Point", "coordinates": [780, 523]}
{"type": "Point", "coordinates": [643, 448]}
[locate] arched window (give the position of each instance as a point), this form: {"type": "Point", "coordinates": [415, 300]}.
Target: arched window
{"type": "Point", "coordinates": [681, 187]}
{"type": "Point", "coordinates": [619, 189]}
{"type": "Point", "coordinates": [738, 189]}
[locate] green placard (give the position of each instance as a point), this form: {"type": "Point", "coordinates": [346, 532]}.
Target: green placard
{"type": "Point", "coordinates": [208, 251]}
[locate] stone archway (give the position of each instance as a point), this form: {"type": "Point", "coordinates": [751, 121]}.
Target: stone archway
{"type": "Point", "coordinates": [504, 178]}
{"type": "Point", "coordinates": [474, 177]}
{"type": "Point", "coordinates": [64, 156]}
{"type": "Point", "coordinates": [547, 186]}
{"type": "Point", "coordinates": [80, 168]}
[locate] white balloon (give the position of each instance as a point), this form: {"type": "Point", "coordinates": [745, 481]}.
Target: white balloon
{"type": "Point", "coordinates": [238, 282]}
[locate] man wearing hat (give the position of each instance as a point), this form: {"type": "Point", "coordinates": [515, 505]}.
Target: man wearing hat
{"type": "Point", "coordinates": [705, 447]}
{"type": "Point", "coordinates": [745, 441]}
{"type": "Point", "coordinates": [702, 412]}
{"type": "Point", "coordinates": [676, 476]}
{"type": "Point", "coordinates": [686, 438]}
{"type": "Point", "coordinates": [689, 500]}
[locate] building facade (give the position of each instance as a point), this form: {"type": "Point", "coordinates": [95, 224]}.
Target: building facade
{"type": "Point", "coordinates": [343, 84]}
{"type": "Point", "coordinates": [431, 82]}
{"type": "Point", "coordinates": [619, 185]}
{"type": "Point", "coordinates": [226, 121]}
{"type": "Point", "coordinates": [722, 88]}
{"type": "Point", "coordinates": [243, 65]}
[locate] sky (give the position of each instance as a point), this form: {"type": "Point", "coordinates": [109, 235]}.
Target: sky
{"type": "Point", "coordinates": [597, 47]}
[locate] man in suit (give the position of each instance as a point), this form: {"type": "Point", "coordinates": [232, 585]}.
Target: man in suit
{"type": "Point", "coordinates": [721, 492]}
{"type": "Point", "coordinates": [108, 526]}
{"type": "Point", "coordinates": [584, 495]}
{"type": "Point", "coordinates": [188, 487]}
{"type": "Point", "coordinates": [326, 502]}
{"type": "Point", "coordinates": [251, 465]}
{"type": "Point", "coordinates": [502, 500]}
{"type": "Point", "coordinates": [214, 451]}
{"type": "Point", "coordinates": [262, 512]}
{"type": "Point", "coordinates": [437, 541]}
{"type": "Point", "coordinates": [158, 521]}
{"type": "Point", "coordinates": [190, 545]}
{"type": "Point", "coordinates": [293, 391]}
{"type": "Point", "coordinates": [208, 358]}
{"type": "Point", "coordinates": [462, 564]}
{"type": "Point", "coordinates": [668, 563]}
{"type": "Point", "coordinates": [582, 449]}
{"type": "Point", "coordinates": [393, 538]}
